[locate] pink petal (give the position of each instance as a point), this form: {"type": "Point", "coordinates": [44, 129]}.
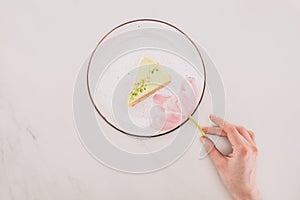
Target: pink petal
{"type": "Point", "coordinates": [172, 120]}
{"type": "Point", "coordinates": [160, 99]}
{"type": "Point", "coordinates": [172, 105]}
{"type": "Point", "coordinates": [168, 114]}
{"type": "Point", "coordinates": [187, 98]}
{"type": "Point", "coordinates": [168, 108]}
{"type": "Point", "coordinates": [195, 88]}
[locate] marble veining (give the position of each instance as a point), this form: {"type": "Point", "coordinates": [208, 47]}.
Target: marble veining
{"type": "Point", "coordinates": [23, 169]}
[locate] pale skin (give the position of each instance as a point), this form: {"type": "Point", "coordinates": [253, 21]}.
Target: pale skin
{"type": "Point", "coordinates": [238, 169]}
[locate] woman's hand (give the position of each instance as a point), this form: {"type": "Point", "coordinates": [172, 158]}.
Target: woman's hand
{"type": "Point", "coordinates": [238, 169]}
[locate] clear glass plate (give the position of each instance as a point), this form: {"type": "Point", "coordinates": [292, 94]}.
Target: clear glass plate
{"type": "Point", "coordinates": [114, 64]}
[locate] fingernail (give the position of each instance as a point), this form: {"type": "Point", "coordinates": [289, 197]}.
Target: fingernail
{"type": "Point", "coordinates": [211, 116]}
{"type": "Point", "coordinates": [203, 139]}
{"type": "Point", "coordinates": [205, 129]}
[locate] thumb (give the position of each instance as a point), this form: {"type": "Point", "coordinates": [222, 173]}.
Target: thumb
{"type": "Point", "coordinates": [215, 155]}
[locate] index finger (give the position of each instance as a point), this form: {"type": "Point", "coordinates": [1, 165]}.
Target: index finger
{"type": "Point", "coordinates": [233, 135]}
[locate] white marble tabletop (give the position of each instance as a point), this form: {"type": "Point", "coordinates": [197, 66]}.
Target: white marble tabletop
{"type": "Point", "coordinates": [254, 44]}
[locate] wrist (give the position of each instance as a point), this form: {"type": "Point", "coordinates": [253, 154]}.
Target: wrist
{"type": "Point", "coordinates": [251, 194]}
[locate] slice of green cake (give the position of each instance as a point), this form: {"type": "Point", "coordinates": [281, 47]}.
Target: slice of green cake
{"type": "Point", "coordinates": [149, 78]}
